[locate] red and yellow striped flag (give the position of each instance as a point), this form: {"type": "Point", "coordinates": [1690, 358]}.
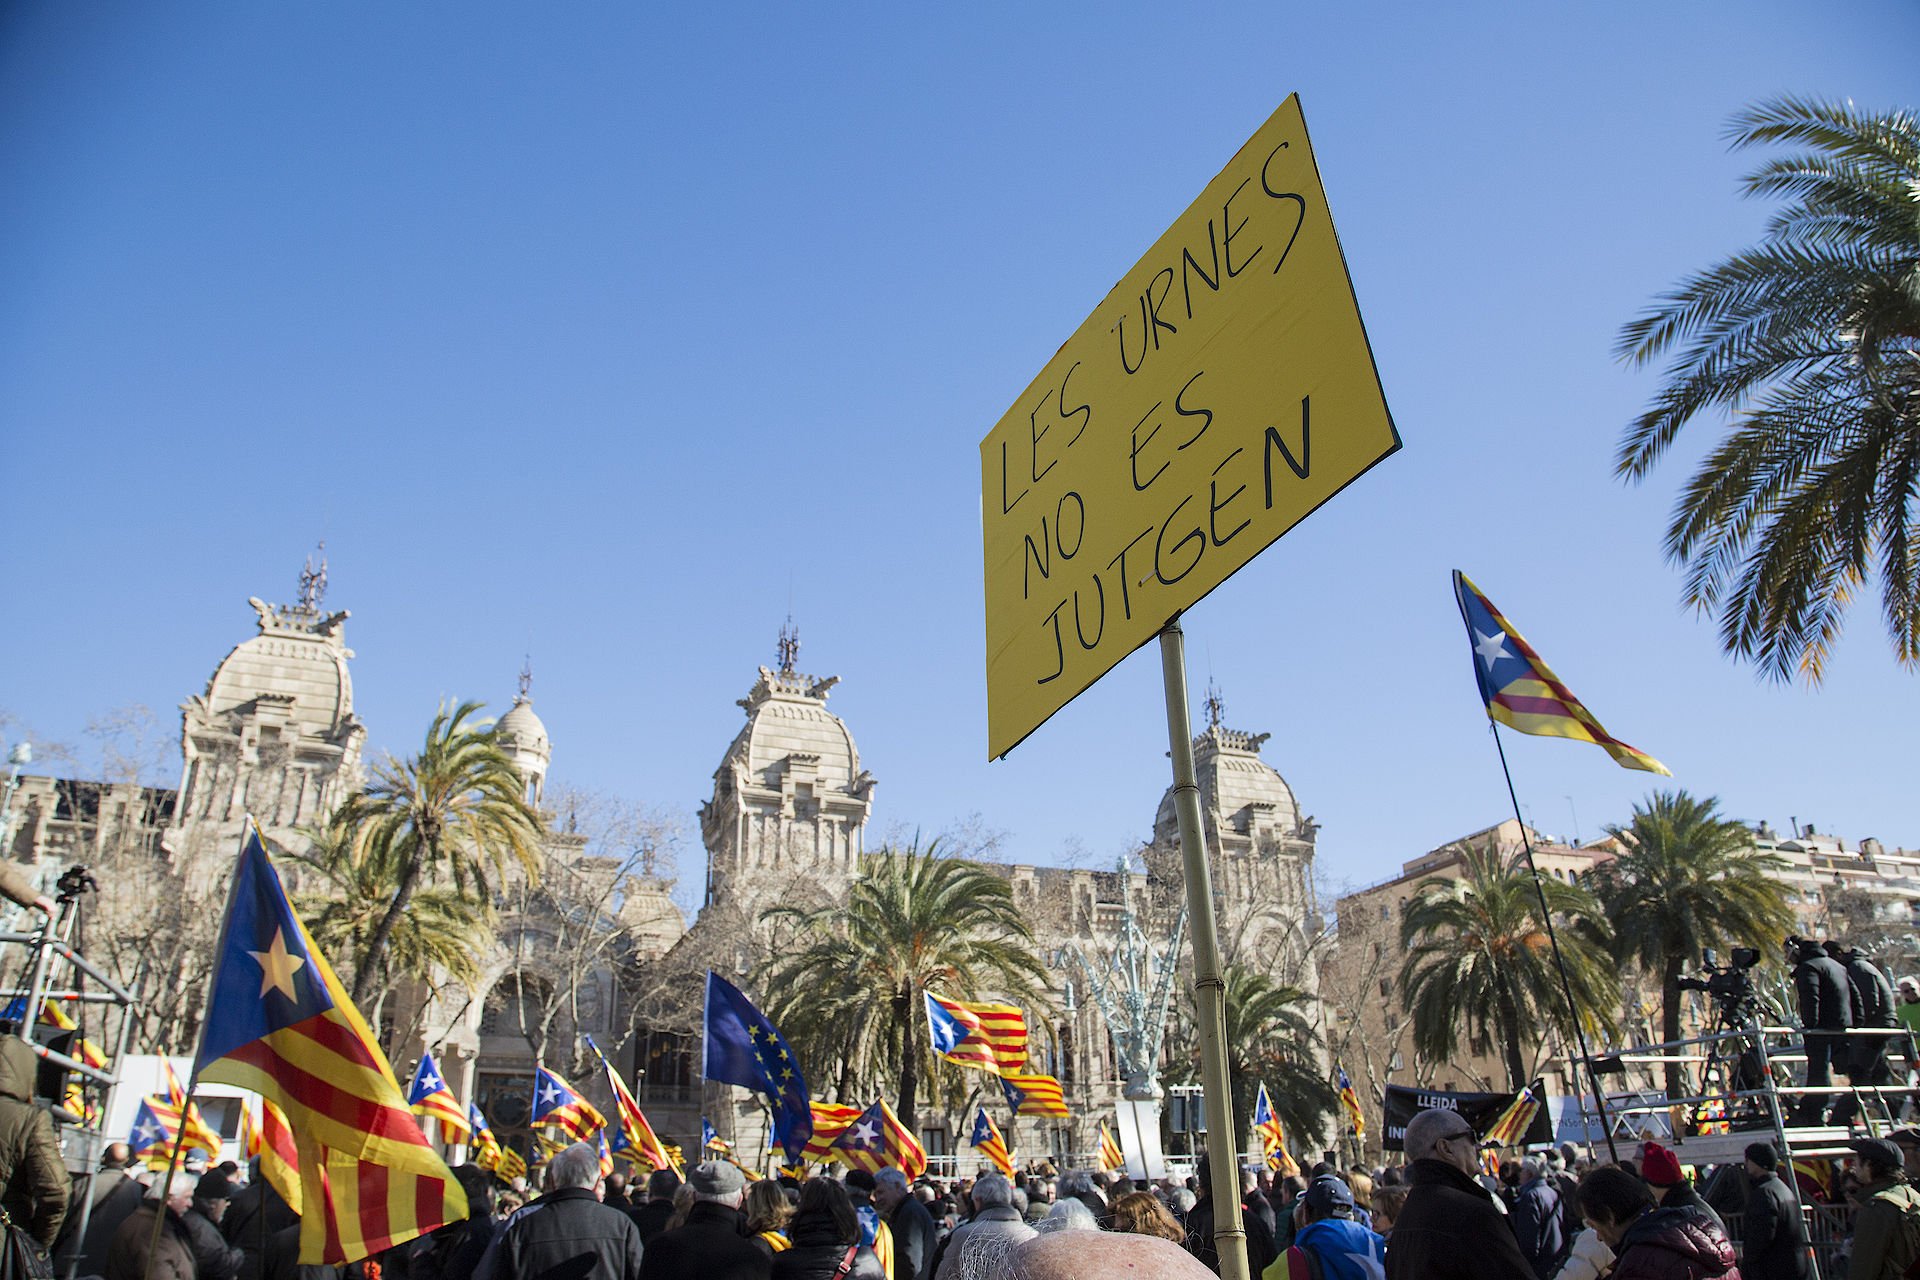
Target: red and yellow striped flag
{"type": "Point", "coordinates": [1520, 689]}
{"type": "Point", "coordinates": [1034, 1095]}
{"type": "Point", "coordinates": [1112, 1159]}
{"type": "Point", "coordinates": [830, 1120]}
{"type": "Point", "coordinates": [280, 1024]}
{"type": "Point", "coordinates": [877, 1140]}
{"type": "Point", "coordinates": [1510, 1126]}
{"type": "Point", "coordinates": [195, 1133]}
{"type": "Point", "coordinates": [641, 1139]}
{"type": "Point", "coordinates": [279, 1154]}
{"type": "Point", "coordinates": [988, 1140]}
{"type": "Point", "coordinates": [992, 1037]}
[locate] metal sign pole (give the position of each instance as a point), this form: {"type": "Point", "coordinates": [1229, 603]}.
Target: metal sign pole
{"type": "Point", "coordinates": [1209, 988]}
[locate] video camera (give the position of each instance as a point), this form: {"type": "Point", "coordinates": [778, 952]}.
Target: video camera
{"type": "Point", "coordinates": [1730, 986]}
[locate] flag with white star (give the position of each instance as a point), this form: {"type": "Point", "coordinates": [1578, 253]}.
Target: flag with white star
{"type": "Point", "coordinates": [280, 1024]}
{"type": "Point", "coordinates": [1521, 691]}
{"type": "Point", "coordinates": [151, 1137]}
{"type": "Point", "coordinates": [992, 1037]}
{"type": "Point", "coordinates": [557, 1102]}
{"type": "Point", "coordinates": [429, 1095]}
{"type": "Point", "coordinates": [877, 1140]}
{"type": "Point", "coordinates": [988, 1140]}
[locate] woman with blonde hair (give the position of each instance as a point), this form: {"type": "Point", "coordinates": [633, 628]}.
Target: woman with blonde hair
{"type": "Point", "coordinates": [1142, 1214]}
{"type": "Point", "coordinates": [768, 1212]}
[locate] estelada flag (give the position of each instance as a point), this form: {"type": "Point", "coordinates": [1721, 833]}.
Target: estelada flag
{"type": "Point", "coordinates": [641, 1140]}
{"type": "Point", "coordinates": [877, 1140]}
{"type": "Point", "coordinates": [830, 1120]}
{"type": "Point", "coordinates": [989, 1142]}
{"type": "Point", "coordinates": [279, 1155]}
{"type": "Point", "coordinates": [485, 1147]}
{"type": "Point", "coordinates": [992, 1037]}
{"type": "Point", "coordinates": [1510, 1126]}
{"type": "Point", "coordinates": [1521, 691]}
{"type": "Point", "coordinates": [557, 1102]}
{"type": "Point", "coordinates": [280, 1024]}
{"type": "Point", "coordinates": [429, 1095]}
{"type": "Point", "coordinates": [195, 1133]}
{"type": "Point", "coordinates": [1034, 1095]}
{"type": "Point", "coordinates": [1351, 1101]}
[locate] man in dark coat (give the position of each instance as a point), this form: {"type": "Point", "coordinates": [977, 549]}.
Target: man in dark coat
{"type": "Point", "coordinates": [1449, 1229]}
{"type": "Point", "coordinates": [1826, 1012]}
{"type": "Point", "coordinates": [1773, 1237]}
{"type": "Point", "coordinates": [915, 1236]}
{"type": "Point", "coordinates": [1262, 1249]}
{"type": "Point", "coordinates": [33, 1177]}
{"type": "Point", "coordinates": [1538, 1225]}
{"type": "Point", "coordinates": [652, 1216]}
{"type": "Point", "coordinates": [567, 1234]}
{"type": "Point", "coordinates": [1873, 996]}
{"type": "Point", "coordinates": [172, 1253]}
{"type": "Point", "coordinates": [114, 1194]}
{"type": "Point", "coordinates": [213, 1257]}
{"type": "Point", "coordinates": [713, 1244]}
{"type": "Point", "coordinates": [254, 1216]}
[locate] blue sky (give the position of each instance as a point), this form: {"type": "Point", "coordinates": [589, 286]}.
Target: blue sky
{"type": "Point", "coordinates": [610, 332]}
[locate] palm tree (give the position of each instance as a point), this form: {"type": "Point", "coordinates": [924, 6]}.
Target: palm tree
{"type": "Point", "coordinates": [1478, 958]}
{"type": "Point", "coordinates": [443, 931]}
{"type": "Point", "coordinates": [1813, 339]}
{"type": "Point", "coordinates": [1269, 1039]}
{"type": "Point", "coordinates": [453, 814]}
{"type": "Point", "coordinates": [858, 970]}
{"type": "Point", "coordinates": [1689, 880]}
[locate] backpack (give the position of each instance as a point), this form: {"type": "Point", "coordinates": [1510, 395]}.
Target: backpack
{"type": "Point", "coordinates": [1903, 1251]}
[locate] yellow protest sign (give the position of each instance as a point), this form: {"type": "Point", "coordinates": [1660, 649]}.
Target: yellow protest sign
{"type": "Point", "coordinates": [1220, 392]}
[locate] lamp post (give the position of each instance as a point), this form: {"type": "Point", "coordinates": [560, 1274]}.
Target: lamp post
{"type": "Point", "coordinates": [1132, 986]}
{"type": "Point", "coordinates": [18, 758]}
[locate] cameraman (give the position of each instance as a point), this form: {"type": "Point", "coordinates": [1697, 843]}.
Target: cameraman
{"type": "Point", "coordinates": [1868, 1065]}
{"type": "Point", "coordinates": [1825, 1017]}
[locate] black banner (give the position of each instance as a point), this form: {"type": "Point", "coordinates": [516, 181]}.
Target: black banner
{"type": "Point", "coordinates": [1478, 1109]}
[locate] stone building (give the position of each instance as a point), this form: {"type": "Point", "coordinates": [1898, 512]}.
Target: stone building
{"type": "Point", "coordinates": [594, 947]}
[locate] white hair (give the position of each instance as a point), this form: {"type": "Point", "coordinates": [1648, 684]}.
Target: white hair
{"type": "Point", "coordinates": [1068, 1214]}
{"type": "Point", "coordinates": [577, 1166]}
{"type": "Point", "coordinates": [992, 1190]}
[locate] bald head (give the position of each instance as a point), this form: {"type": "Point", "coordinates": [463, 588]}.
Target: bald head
{"type": "Point", "coordinates": [1426, 1131]}
{"type": "Point", "coordinates": [1101, 1255]}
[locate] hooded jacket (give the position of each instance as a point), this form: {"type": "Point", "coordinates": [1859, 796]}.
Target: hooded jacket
{"type": "Point", "coordinates": [1674, 1244]}
{"type": "Point", "coordinates": [35, 1190]}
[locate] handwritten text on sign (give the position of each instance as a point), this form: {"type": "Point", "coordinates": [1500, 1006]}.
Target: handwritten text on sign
{"type": "Point", "coordinates": [1222, 391]}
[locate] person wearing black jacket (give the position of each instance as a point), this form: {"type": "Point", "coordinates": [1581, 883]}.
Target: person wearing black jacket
{"type": "Point", "coordinates": [1450, 1229]}
{"type": "Point", "coordinates": [213, 1257]}
{"type": "Point", "coordinates": [1773, 1235]}
{"type": "Point", "coordinates": [713, 1244]}
{"type": "Point", "coordinates": [652, 1216]}
{"type": "Point", "coordinates": [242, 1223]}
{"type": "Point", "coordinates": [826, 1236]}
{"type": "Point", "coordinates": [1826, 1013]}
{"type": "Point", "coordinates": [567, 1234]}
{"type": "Point", "coordinates": [1867, 1061]}
{"type": "Point", "coordinates": [453, 1251]}
{"type": "Point", "coordinates": [1261, 1248]}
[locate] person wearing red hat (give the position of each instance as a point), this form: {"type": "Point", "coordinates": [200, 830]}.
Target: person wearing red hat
{"type": "Point", "coordinates": [1661, 1168]}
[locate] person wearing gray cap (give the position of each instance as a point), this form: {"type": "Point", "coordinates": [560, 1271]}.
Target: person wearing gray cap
{"type": "Point", "coordinates": [712, 1244]}
{"type": "Point", "coordinates": [1883, 1243]}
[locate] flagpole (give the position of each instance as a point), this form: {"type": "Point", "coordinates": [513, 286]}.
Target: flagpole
{"type": "Point", "coordinates": [1553, 940]}
{"type": "Point", "coordinates": [1209, 987]}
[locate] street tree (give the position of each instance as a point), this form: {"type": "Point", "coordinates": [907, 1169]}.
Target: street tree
{"type": "Point", "coordinates": [1689, 879]}
{"type": "Point", "coordinates": [1810, 341]}
{"type": "Point", "coordinates": [1480, 966]}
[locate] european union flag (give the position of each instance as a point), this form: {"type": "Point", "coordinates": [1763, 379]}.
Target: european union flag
{"type": "Point", "coordinates": [744, 1048]}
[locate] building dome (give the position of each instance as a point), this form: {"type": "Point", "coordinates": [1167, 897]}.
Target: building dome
{"type": "Point", "coordinates": [1240, 794]}
{"type": "Point", "coordinates": [298, 662]}
{"type": "Point", "coordinates": [523, 736]}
